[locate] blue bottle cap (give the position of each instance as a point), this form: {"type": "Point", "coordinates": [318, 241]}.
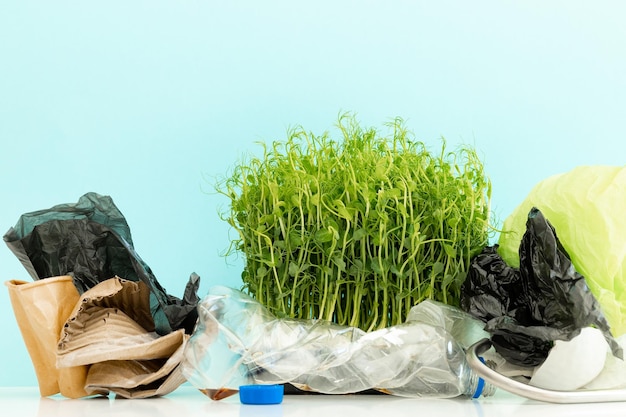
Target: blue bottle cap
{"type": "Point", "coordinates": [261, 394]}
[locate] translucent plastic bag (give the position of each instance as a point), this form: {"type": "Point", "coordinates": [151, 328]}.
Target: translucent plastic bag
{"type": "Point", "coordinates": [238, 342]}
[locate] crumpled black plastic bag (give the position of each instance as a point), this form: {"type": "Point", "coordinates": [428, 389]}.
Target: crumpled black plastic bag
{"type": "Point", "coordinates": [527, 309]}
{"type": "Point", "coordinates": [91, 241]}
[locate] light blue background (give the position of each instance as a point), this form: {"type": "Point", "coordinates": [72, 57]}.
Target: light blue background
{"type": "Point", "coordinates": [150, 101]}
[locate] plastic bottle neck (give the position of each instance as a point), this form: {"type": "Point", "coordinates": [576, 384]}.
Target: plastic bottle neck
{"type": "Point", "coordinates": [478, 387]}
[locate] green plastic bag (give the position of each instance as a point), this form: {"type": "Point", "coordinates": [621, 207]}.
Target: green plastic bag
{"type": "Point", "coordinates": [587, 207]}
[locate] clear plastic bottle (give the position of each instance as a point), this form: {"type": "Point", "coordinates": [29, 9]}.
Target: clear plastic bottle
{"type": "Point", "coordinates": [442, 371]}
{"type": "Point", "coordinates": [450, 375]}
{"type": "Point", "coordinates": [455, 379]}
{"type": "Point", "coordinates": [238, 342]}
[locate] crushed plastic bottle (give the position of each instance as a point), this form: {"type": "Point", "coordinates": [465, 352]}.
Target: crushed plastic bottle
{"type": "Point", "coordinates": [451, 330]}
{"type": "Point", "coordinates": [417, 360]}
{"type": "Point", "coordinates": [238, 342]}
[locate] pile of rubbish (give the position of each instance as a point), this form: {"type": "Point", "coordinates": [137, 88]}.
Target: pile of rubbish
{"type": "Point", "coordinates": [95, 321]}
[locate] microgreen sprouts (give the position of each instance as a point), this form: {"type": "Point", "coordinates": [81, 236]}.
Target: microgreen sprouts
{"type": "Point", "coordinates": [356, 231]}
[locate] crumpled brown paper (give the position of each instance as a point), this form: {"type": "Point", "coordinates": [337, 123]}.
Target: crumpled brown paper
{"type": "Point", "coordinates": [111, 330]}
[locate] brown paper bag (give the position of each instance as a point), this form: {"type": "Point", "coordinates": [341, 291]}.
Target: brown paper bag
{"type": "Point", "coordinates": [41, 309]}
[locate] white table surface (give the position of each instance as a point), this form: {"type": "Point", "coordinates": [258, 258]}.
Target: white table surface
{"type": "Point", "coordinates": [189, 402]}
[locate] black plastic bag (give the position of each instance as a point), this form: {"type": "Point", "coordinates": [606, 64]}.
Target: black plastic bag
{"type": "Point", "coordinates": [91, 241]}
{"type": "Point", "coordinates": [527, 309]}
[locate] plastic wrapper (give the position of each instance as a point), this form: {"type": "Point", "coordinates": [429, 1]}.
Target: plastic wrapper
{"type": "Point", "coordinates": [91, 241]}
{"type": "Point", "coordinates": [238, 342]}
{"type": "Point", "coordinates": [526, 309]}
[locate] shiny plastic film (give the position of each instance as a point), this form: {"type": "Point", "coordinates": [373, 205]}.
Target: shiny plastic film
{"type": "Point", "coordinates": [238, 342]}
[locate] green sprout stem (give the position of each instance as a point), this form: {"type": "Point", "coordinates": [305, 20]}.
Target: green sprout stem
{"type": "Point", "coordinates": [358, 230]}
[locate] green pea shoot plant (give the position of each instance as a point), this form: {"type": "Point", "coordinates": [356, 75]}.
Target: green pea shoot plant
{"type": "Point", "coordinates": [356, 231]}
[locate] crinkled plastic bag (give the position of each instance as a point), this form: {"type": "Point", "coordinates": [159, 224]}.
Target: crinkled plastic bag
{"type": "Point", "coordinates": [527, 309]}
{"type": "Point", "coordinates": [238, 342]}
{"type": "Point", "coordinates": [91, 241]}
{"type": "Point", "coordinates": [587, 207]}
